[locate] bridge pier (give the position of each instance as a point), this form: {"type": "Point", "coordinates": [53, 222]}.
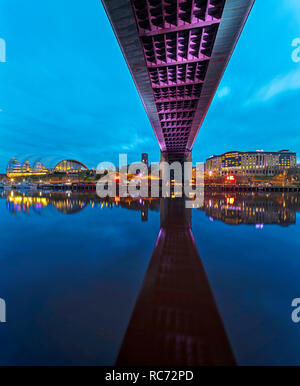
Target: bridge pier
{"type": "Point", "coordinates": [175, 157]}
{"type": "Point", "coordinates": [170, 158]}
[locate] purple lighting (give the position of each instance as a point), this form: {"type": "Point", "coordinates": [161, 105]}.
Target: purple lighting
{"type": "Point", "coordinates": [177, 38]}
{"type": "Point", "coordinates": [177, 52]}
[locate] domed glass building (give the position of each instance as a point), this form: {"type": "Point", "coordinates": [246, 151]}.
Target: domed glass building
{"type": "Point", "coordinates": [26, 167]}
{"type": "Point", "coordinates": [38, 166]}
{"type": "Point", "coordinates": [70, 166]}
{"type": "Point", "coordinates": [13, 167]}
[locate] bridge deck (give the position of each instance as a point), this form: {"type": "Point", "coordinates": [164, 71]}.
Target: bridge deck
{"type": "Point", "coordinates": [177, 52]}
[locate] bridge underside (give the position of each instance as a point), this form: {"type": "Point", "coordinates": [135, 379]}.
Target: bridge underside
{"type": "Point", "coordinates": [177, 52]}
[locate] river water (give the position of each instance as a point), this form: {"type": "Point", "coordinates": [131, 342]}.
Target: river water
{"type": "Point", "coordinates": [89, 281]}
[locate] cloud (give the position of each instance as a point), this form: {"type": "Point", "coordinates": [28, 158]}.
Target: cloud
{"type": "Point", "coordinates": [225, 91]}
{"type": "Point", "coordinates": [279, 85]}
{"type": "Point", "coordinates": [294, 6]}
{"type": "Point", "coordinates": [134, 143]}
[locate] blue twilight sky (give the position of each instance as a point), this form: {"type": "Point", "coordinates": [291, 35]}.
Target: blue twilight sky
{"type": "Point", "coordinates": [65, 90]}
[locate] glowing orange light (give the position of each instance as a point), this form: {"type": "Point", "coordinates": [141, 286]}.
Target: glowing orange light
{"type": "Point", "coordinates": [230, 200]}
{"type": "Point", "coordinates": [230, 178]}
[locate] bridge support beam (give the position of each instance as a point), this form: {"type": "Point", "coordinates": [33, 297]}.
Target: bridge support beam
{"type": "Point", "coordinates": [173, 157]}
{"type": "Point", "coordinates": [177, 56]}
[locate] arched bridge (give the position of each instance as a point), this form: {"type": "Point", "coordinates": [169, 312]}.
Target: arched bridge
{"type": "Point", "coordinates": [177, 52]}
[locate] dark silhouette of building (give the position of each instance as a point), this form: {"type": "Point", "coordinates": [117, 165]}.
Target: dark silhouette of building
{"type": "Point", "coordinates": [145, 159]}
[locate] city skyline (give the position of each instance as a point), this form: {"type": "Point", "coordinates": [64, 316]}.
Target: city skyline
{"type": "Point", "coordinates": [56, 99]}
{"type": "Point", "coordinates": [32, 162]}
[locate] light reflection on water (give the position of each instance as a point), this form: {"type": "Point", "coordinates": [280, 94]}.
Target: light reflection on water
{"type": "Point", "coordinates": [132, 281]}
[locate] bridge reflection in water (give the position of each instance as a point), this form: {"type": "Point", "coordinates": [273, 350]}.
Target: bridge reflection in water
{"type": "Point", "coordinates": [175, 320]}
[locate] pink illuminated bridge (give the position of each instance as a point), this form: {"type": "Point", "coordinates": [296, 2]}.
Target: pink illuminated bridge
{"type": "Point", "coordinates": [177, 52]}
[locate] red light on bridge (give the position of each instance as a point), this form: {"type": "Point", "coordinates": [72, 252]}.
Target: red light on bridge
{"type": "Point", "coordinates": [230, 178]}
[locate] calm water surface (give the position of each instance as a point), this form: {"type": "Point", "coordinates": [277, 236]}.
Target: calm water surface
{"type": "Point", "coordinates": [149, 282]}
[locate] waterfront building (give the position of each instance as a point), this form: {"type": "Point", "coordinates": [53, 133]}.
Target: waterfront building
{"type": "Point", "coordinates": [15, 169]}
{"type": "Point", "coordinates": [293, 173]}
{"type": "Point", "coordinates": [70, 166]}
{"type": "Point", "coordinates": [39, 167]}
{"type": "Point", "coordinates": [251, 163]}
{"type": "Point", "coordinates": [26, 167]}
